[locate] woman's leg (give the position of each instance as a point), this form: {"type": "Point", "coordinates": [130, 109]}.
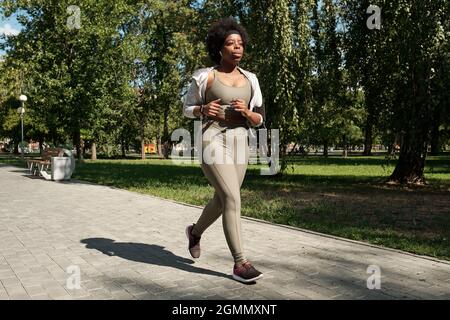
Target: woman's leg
{"type": "Point", "coordinates": [211, 139]}
{"type": "Point", "coordinates": [226, 178]}
{"type": "Point", "coordinates": [213, 209]}
{"type": "Point", "coordinates": [240, 154]}
{"type": "Point", "coordinates": [210, 214]}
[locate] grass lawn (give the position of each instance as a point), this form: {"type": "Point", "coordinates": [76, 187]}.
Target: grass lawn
{"type": "Point", "coordinates": [342, 197]}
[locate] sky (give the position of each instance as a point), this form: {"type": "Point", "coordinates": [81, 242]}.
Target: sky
{"type": "Point", "coordinates": [8, 26]}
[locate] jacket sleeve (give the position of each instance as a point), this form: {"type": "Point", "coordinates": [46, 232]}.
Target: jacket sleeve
{"type": "Point", "coordinates": [262, 113]}
{"type": "Point", "coordinates": [259, 104]}
{"type": "Point", "coordinates": [191, 100]}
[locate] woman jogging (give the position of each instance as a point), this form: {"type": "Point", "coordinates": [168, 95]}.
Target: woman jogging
{"type": "Point", "coordinates": [228, 101]}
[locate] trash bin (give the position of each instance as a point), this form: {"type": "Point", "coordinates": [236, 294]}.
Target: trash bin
{"type": "Point", "coordinates": [61, 168]}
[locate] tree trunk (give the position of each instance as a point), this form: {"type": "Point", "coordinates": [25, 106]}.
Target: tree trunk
{"type": "Point", "coordinates": [293, 149]}
{"type": "Point", "coordinates": [368, 138]}
{"type": "Point", "coordinates": [143, 156]}
{"type": "Point", "coordinates": [41, 145]}
{"type": "Point", "coordinates": [124, 154]}
{"type": "Point", "coordinates": [390, 150]}
{"type": "Point", "coordinates": [143, 142]}
{"type": "Point", "coordinates": [345, 151]}
{"type": "Point", "coordinates": [283, 158]}
{"type": "Point", "coordinates": [435, 141]}
{"type": "Point", "coordinates": [122, 147]}
{"type": "Point", "coordinates": [76, 139]}
{"type": "Point", "coordinates": [166, 139]}
{"type": "Point", "coordinates": [166, 148]}
{"type": "Point", "coordinates": [83, 149]}
{"type": "Point", "coordinates": [409, 169]}
{"type": "Point", "coordinates": [411, 162]}
{"type": "Point", "coordinates": [93, 151]}
{"type": "Point", "coordinates": [325, 149]}
{"type": "Point", "coordinates": [160, 152]}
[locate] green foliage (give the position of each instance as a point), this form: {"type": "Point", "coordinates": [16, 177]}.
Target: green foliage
{"type": "Point", "coordinates": [326, 78]}
{"type": "Point", "coordinates": [403, 70]}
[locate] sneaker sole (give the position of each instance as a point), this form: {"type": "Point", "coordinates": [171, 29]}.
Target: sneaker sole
{"type": "Point", "coordinates": [235, 277]}
{"type": "Point", "coordinates": [187, 236]}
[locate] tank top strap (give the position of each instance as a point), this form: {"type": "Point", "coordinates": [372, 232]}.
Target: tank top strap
{"type": "Point", "coordinates": [215, 76]}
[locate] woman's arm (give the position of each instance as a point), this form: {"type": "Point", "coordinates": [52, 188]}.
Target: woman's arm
{"type": "Point", "coordinates": [196, 111]}
{"type": "Point", "coordinates": [255, 119]}
{"type": "Point", "coordinates": [258, 106]}
{"type": "Point", "coordinates": [261, 111]}
{"type": "Point", "coordinates": [193, 101]}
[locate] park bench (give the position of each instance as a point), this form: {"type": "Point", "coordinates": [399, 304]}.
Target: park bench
{"type": "Point", "coordinates": [39, 166]}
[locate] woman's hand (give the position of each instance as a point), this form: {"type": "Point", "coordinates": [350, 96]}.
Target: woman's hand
{"type": "Point", "coordinates": [212, 108]}
{"type": "Point", "coordinates": [240, 106]}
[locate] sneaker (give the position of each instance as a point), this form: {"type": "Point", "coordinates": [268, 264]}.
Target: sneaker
{"type": "Point", "coordinates": [246, 273]}
{"type": "Point", "coordinates": [194, 242]}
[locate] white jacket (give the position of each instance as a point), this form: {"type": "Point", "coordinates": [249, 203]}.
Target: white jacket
{"type": "Point", "coordinates": [196, 92]}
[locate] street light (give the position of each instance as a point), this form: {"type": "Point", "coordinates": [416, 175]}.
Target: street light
{"type": "Point", "coordinates": [23, 98]}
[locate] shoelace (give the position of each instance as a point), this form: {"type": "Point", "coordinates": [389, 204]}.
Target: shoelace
{"type": "Point", "coordinates": [246, 265]}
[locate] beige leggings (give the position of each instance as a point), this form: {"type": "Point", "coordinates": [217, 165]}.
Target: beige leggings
{"type": "Point", "coordinates": [225, 170]}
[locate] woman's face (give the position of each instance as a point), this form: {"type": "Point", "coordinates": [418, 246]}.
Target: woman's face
{"type": "Point", "coordinates": [233, 49]}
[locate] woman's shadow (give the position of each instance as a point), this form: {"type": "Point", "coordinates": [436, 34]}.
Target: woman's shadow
{"type": "Point", "coordinates": [146, 253]}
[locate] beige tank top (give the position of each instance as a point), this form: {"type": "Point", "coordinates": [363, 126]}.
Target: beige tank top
{"type": "Point", "coordinates": [219, 90]}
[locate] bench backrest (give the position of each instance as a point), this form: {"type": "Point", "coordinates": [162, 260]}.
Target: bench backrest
{"type": "Point", "coordinates": [48, 153]}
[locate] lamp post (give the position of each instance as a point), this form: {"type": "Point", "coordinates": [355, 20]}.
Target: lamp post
{"type": "Point", "coordinates": [23, 98]}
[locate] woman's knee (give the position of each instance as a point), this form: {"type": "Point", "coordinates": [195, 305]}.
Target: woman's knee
{"type": "Point", "coordinates": [232, 201]}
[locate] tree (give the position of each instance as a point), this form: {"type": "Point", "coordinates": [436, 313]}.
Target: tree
{"type": "Point", "coordinates": [363, 61]}
{"type": "Point", "coordinates": [303, 68]}
{"type": "Point", "coordinates": [329, 91]}
{"type": "Point", "coordinates": [170, 31]}
{"type": "Point", "coordinates": [72, 69]}
{"type": "Point", "coordinates": [401, 70]}
{"type": "Point", "coordinates": [11, 84]}
{"type": "Point", "coordinates": [272, 54]}
{"type": "Point", "coordinates": [420, 56]}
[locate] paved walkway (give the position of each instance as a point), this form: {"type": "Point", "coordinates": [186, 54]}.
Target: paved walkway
{"type": "Point", "coordinates": [127, 245]}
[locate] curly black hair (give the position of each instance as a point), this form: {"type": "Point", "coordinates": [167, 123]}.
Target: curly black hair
{"type": "Point", "coordinates": [217, 35]}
